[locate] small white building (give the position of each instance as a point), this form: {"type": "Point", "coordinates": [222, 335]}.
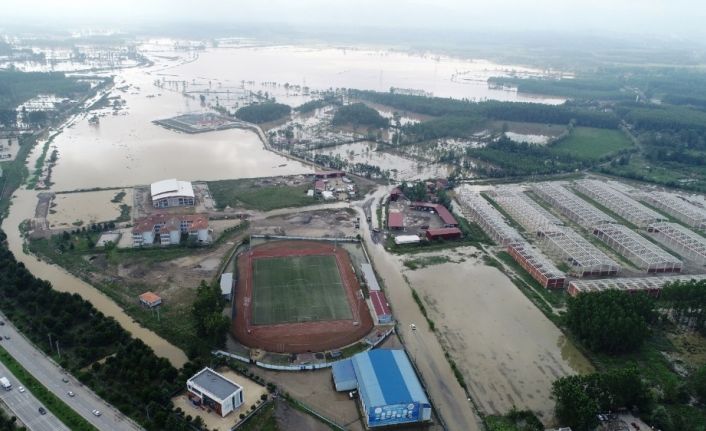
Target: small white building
{"type": "Point", "coordinates": [172, 193]}
{"type": "Point", "coordinates": [407, 239]}
{"type": "Point", "coordinates": [212, 390]}
{"type": "Point", "coordinates": [227, 285]}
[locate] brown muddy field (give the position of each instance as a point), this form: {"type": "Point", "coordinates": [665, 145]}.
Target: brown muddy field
{"type": "Point", "coordinates": [508, 351]}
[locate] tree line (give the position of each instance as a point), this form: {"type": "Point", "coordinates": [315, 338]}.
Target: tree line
{"type": "Point", "coordinates": [17, 87]}
{"type": "Point", "coordinates": [357, 115]}
{"type": "Point", "coordinates": [263, 112]}
{"type": "Point", "coordinates": [95, 348]}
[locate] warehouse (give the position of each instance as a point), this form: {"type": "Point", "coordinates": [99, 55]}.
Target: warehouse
{"type": "Point", "coordinates": [539, 267]}
{"type": "Point", "coordinates": [644, 254]}
{"type": "Point", "coordinates": [583, 258]}
{"type": "Point", "coordinates": [395, 221]}
{"type": "Point", "coordinates": [570, 205]}
{"type": "Point", "coordinates": [680, 239]}
{"type": "Point", "coordinates": [620, 203]}
{"type": "Point", "coordinates": [380, 307]}
{"type": "Point", "coordinates": [369, 276]}
{"type": "Point", "coordinates": [679, 208]}
{"type": "Point", "coordinates": [651, 285]}
{"type": "Point", "coordinates": [212, 390]}
{"type": "Point", "coordinates": [390, 392]}
{"type": "Point", "coordinates": [490, 220]}
{"type": "Point", "coordinates": [444, 233]}
{"type": "Point", "coordinates": [172, 193]}
{"type": "Point", "coordinates": [446, 217]}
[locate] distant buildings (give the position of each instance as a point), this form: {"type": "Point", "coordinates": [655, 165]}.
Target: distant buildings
{"type": "Point", "coordinates": [172, 193]}
{"type": "Point", "coordinates": [390, 392]}
{"type": "Point", "coordinates": [166, 229]}
{"type": "Point", "coordinates": [212, 390]}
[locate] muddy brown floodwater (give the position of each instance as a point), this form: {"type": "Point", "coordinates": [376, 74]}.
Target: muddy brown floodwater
{"type": "Point", "coordinates": [509, 352]}
{"type": "Point", "coordinates": [23, 205]}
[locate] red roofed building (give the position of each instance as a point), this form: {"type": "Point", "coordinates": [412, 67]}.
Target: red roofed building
{"type": "Point", "coordinates": [319, 186]}
{"type": "Point", "coordinates": [380, 306]}
{"type": "Point", "coordinates": [150, 299]}
{"type": "Point", "coordinates": [444, 233]}
{"type": "Point", "coordinates": [395, 221]}
{"type": "Point", "coordinates": [329, 174]}
{"type": "Point", "coordinates": [446, 217]}
{"type": "Point", "coordinates": [168, 228]}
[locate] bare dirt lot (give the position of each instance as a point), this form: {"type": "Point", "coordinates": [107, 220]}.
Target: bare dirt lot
{"type": "Point", "coordinates": [321, 223]}
{"type": "Point", "coordinates": [508, 351]}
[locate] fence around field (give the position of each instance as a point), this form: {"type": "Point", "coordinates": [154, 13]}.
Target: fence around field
{"type": "Point", "coordinates": [307, 238]}
{"type": "Point", "coordinates": [302, 367]}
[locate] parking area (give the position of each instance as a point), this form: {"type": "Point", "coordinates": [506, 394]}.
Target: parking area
{"type": "Point", "coordinates": [413, 221]}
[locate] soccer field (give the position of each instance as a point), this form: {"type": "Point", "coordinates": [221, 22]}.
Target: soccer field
{"type": "Point", "coordinates": [298, 289]}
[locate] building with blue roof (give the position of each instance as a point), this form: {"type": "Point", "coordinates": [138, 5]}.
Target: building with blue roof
{"type": "Point", "coordinates": [390, 392]}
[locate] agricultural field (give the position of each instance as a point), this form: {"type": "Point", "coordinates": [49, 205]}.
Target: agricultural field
{"type": "Point", "coordinates": [588, 143]}
{"type": "Point", "coordinates": [298, 289]}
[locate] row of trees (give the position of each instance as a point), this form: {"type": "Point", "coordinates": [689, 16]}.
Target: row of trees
{"type": "Point", "coordinates": [685, 304]}
{"type": "Point", "coordinates": [131, 377]}
{"type": "Point", "coordinates": [263, 112]}
{"type": "Point", "coordinates": [359, 115]}
{"type": "Point", "coordinates": [17, 87]}
{"type": "Point", "coordinates": [207, 312]}
{"type": "Point", "coordinates": [579, 399]}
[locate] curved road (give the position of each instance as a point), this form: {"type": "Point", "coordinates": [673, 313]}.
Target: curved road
{"type": "Point", "coordinates": [51, 376]}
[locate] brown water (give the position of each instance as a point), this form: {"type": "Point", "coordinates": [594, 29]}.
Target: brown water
{"type": "Point", "coordinates": [23, 205]}
{"type": "Point", "coordinates": [508, 351]}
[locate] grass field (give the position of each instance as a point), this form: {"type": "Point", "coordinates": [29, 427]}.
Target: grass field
{"type": "Point", "coordinates": [298, 289]}
{"type": "Point", "coordinates": [592, 144]}
{"type": "Point", "coordinates": [251, 194]}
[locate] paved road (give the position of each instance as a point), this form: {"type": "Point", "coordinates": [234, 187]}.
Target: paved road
{"type": "Point", "coordinates": [26, 407]}
{"type": "Point", "coordinates": [51, 375]}
{"type": "Point", "coordinates": [446, 393]}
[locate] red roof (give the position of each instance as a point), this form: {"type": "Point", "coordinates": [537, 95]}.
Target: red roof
{"type": "Point", "coordinates": [320, 185]}
{"type": "Point", "coordinates": [379, 303]}
{"type": "Point", "coordinates": [445, 215]}
{"type": "Point", "coordinates": [170, 222]}
{"type": "Point", "coordinates": [395, 220]}
{"type": "Point", "coordinates": [150, 297]}
{"type": "Point", "coordinates": [444, 231]}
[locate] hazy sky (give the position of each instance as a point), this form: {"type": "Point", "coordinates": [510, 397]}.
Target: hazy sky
{"type": "Point", "coordinates": [679, 18]}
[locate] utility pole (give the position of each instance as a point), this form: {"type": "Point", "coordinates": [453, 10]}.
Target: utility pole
{"type": "Point", "coordinates": [57, 349]}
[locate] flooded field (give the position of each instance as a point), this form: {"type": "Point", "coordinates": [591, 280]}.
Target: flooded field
{"type": "Point", "coordinates": [508, 351]}
{"type": "Point", "coordinates": [77, 209]}
{"type": "Point", "coordinates": [401, 168]}
{"type": "Point", "coordinates": [325, 67]}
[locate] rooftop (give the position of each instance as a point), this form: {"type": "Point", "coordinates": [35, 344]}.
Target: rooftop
{"type": "Point", "coordinates": [441, 210]}
{"type": "Point", "coordinates": [386, 377]}
{"type": "Point", "coordinates": [214, 383]}
{"type": "Point", "coordinates": [170, 188]}
{"type": "Point", "coordinates": [170, 222]}
{"type": "Point", "coordinates": [150, 297]}
{"type": "Point", "coordinates": [395, 220]}
{"type": "Point", "coordinates": [444, 231]}
{"type": "Point", "coordinates": [226, 283]}
{"type": "Point", "coordinates": [379, 303]}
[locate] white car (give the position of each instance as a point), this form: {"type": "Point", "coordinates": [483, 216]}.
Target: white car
{"type": "Point", "coordinates": [70, 393]}
{"type": "Point", "coordinates": [412, 326]}
{"type": "Point", "coordinates": [97, 412]}
{"type": "Point", "coordinates": [21, 389]}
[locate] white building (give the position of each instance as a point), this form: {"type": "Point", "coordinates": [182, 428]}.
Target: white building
{"type": "Point", "coordinates": [168, 228]}
{"type": "Point", "coordinates": [214, 391]}
{"type": "Point", "coordinates": [172, 193]}
{"type": "Point", "coordinates": [227, 285]}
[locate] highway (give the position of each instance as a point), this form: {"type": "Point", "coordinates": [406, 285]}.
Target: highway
{"type": "Point", "coordinates": [52, 376]}
{"type": "Point", "coordinates": [26, 407]}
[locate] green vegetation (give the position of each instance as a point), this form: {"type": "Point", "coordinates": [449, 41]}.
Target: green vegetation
{"type": "Point", "coordinates": [14, 172]}
{"type": "Point", "coordinates": [580, 398]}
{"type": "Point", "coordinates": [610, 321]}
{"type": "Point", "coordinates": [260, 194]}
{"type": "Point", "coordinates": [297, 289]}
{"type": "Point", "coordinates": [9, 423]}
{"type": "Point", "coordinates": [263, 112]}
{"type": "Point", "coordinates": [17, 87]}
{"type": "Point", "coordinates": [207, 313]}
{"type": "Point", "coordinates": [313, 105]}
{"type": "Point", "coordinates": [604, 87]}
{"type": "Point", "coordinates": [358, 115]}
{"type": "Point", "coordinates": [118, 197]}
{"type": "Point", "coordinates": [424, 261]}
{"type": "Point", "coordinates": [63, 412]}
{"type": "Point", "coordinates": [592, 144]}
{"type": "Point", "coordinates": [515, 420]}
{"type": "Point", "coordinates": [87, 337]}
{"type": "Point", "coordinates": [264, 420]}
{"type": "Point", "coordinates": [423, 309]}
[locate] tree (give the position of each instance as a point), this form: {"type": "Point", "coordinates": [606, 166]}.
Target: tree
{"type": "Point", "coordinates": [207, 311]}
{"type": "Point", "coordinates": [574, 407]}
{"type": "Point", "coordinates": [610, 321]}
{"type": "Point", "coordinates": [700, 383]}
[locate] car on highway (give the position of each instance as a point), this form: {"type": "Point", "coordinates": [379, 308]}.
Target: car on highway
{"type": "Point", "coordinates": [42, 411]}
{"type": "Point", "coordinates": [71, 394]}
{"type": "Point", "coordinates": [21, 389]}
{"type": "Point", "coordinates": [97, 412]}
{"type": "Point", "coordinates": [65, 379]}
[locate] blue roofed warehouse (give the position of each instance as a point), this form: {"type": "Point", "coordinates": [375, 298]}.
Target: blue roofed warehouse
{"type": "Point", "coordinates": [390, 392]}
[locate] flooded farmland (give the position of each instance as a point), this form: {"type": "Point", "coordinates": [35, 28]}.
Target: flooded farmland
{"type": "Point", "coordinates": [508, 351]}
{"type": "Point", "coordinates": [77, 209]}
